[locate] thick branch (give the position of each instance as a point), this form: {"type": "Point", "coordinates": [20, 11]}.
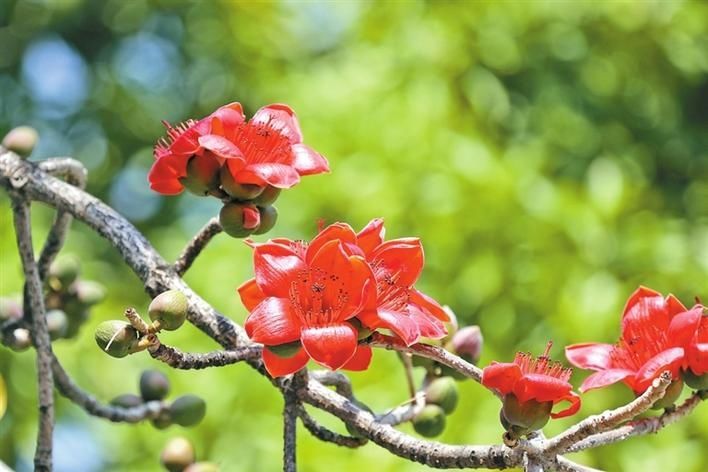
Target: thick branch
{"type": "Point", "coordinates": [609, 419]}
{"type": "Point", "coordinates": [40, 334]}
{"type": "Point", "coordinates": [182, 360]}
{"type": "Point", "coordinates": [196, 245]}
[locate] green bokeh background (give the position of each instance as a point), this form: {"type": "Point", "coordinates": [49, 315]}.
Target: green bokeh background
{"type": "Point", "coordinates": [551, 155]}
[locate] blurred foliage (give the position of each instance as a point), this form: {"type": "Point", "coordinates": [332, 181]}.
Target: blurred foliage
{"type": "Point", "coordinates": [551, 155]}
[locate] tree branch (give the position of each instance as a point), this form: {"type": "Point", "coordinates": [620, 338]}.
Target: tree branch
{"type": "Point", "coordinates": [40, 334]}
{"type": "Point", "coordinates": [182, 360]}
{"type": "Point", "coordinates": [324, 434]}
{"type": "Point", "coordinates": [196, 245]}
{"type": "Point", "coordinates": [290, 415]}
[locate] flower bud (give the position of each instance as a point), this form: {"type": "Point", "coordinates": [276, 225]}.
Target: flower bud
{"type": "Point", "coordinates": [57, 324]}
{"type": "Point", "coordinates": [76, 316]}
{"type": "Point", "coordinates": [242, 192]}
{"type": "Point", "coordinates": [286, 350]}
{"type": "Point", "coordinates": [163, 420]}
{"type": "Point", "coordinates": [116, 338]}
{"type": "Point", "coordinates": [202, 174]}
{"type": "Point", "coordinates": [89, 292]}
{"type": "Point", "coordinates": [202, 467]}
{"type": "Point", "coordinates": [188, 410]}
{"type": "Point", "coordinates": [177, 454]}
{"type": "Point", "coordinates": [19, 339]}
{"type": "Point", "coordinates": [21, 140]}
{"type": "Point", "coordinates": [239, 219]}
{"type": "Point", "coordinates": [154, 385]}
{"type": "Point", "coordinates": [698, 382]}
{"type": "Point", "coordinates": [127, 400]}
{"type": "Point", "coordinates": [268, 216]}
{"type": "Point", "coordinates": [442, 392]}
{"type": "Point", "coordinates": [63, 272]}
{"type": "Point", "coordinates": [670, 396]}
{"type": "Point", "coordinates": [168, 310]}
{"type": "Point", "coordinates": [10, 308]}
{"type": "Point", "coordinates": [527, 416]}
{"type": "Point", "coordinates": [430, 422]}
{"type": "Point", "coordinates": [467, 343]}
{"type": "Point", "coordinates": [269, 195]}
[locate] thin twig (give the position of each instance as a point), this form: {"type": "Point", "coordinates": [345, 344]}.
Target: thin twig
{"type": "Point", "coordinates": [610, 418]}
{"type": "Point", "coordinates": [324, 434]}
{"type": "Point", "coordinates": [408, 370]}
{"type": "Point", "coordinates": [196, 245]}
{"type": "Point", "coordinates": [182, 360]}
{"type": "Point", "coordinates": [404, 413]}
{"type": "Point", "coordinates": [290, 415]}
{"type": "Point", "coordinates": [40, 334]}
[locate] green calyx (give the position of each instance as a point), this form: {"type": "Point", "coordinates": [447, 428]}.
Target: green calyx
{"type": "Point", "coordinates": [695, 381]}
{"type": "Point", "coordinates": [233, 220]}
{"type": "Point", "coordinates": [286, 350]}
{"type": "Point", "coordinates": [442, 392]}
{"type": "Point", "coordinates": [239, 191]}
{"type": "Point", "coordinates": [268, 216]}
{"type": "Point", "coordinates": [525, 417]}
{"type": "Point", "coordinates": [154, 385]}
{"type": "Point", "coordinates": [187, 410]}
{"type": "Point", "coordinates": [168, 310]}
{"type": "Point", "coordinates": [268, 196]}
{"type": "Point", "coordinates": [430, 422]}
{"type": "Point", "coordinates": [202, 175]}
{"type": "Point", "coordinates": [116, 338]}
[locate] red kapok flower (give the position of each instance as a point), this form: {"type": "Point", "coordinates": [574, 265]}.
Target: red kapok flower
{"type": "Point", "coordinates": [652, 342]}
{"type": "Point", "coordinates": [392, 303]}
{"type": "Point", "coordinates": [536, 384]}
{"type": "Point", "coordinates": [697, 349]}
{"type": "Point", "coordinates": [303, 297]}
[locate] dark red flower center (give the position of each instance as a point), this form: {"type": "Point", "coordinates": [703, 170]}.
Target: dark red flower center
{"type": "Point", "coordinates": [261, 142]}
{"type": "Point", "coordinates": [542, 364]}
{"type": "Point", "coordinates": [318, 297]}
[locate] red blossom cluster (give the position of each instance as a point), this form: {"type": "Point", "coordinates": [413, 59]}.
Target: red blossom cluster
{"type": "Point", "coordinates": [316, 300]}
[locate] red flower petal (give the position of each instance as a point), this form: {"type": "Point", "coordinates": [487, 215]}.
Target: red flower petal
{"type": "Point", "coordinates": [674, 305]}
{"type": "Point", "coordinates": [501, 376]}
{"type": "Point", "coordinates": [164, 178]}
{"type": "Point", "coordinates": [429, 305]}
{"type": "Point", "coordinates": [272, 322]}
{"type": "Point", "coordinates": [277, 175]}
{"type": "Point", "coordinates": [574, 401]}
{"type": "Point", "coordinates": [541, 387]}
{"type": "Point", "coordinates": [361, 359]}
{"type": "Point", "coordinates": [221, 146]}
{"type": "Point", "coordinates": [280, 118]}
{"type": "Point", "coordinates": [226, 119]}
{"type": "Point", "coordinates": [605, 378]}
{"type": "Point", "coordinates": [428, 326]}
{"type": "Point", "coordinates": [251, 295]}
{"type": "Point", "coordinates": [276, 266]}
{"type": "Point", "coordinates": [684, 325]}
{"type": "Point", "coordinates": [332, 346]}
{"type": "Point", "coordinates": [641, 292]}
{"type": "Point", "coordinates": [402, 257]}
{"type": "Point", "coordinates": [337, 231]}
{"type": "Point", "coordinates": [697, 358]}
{"type": "Point", "coordinates": [594, 356]}
{"type": "Point", "coordinates": [670, 359]}
{"type": "Point", "coordinates": [251, 217]}
{"type": "Point", "coordinates": [371, 236]}
{"type": "Point", "coordinates": [400, 323]}
{"type": "Point", "coordinates": [279, 366]}
{"type": "Point", "coordinates": [307, 161]}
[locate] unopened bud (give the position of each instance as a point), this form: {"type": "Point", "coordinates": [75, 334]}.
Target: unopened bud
{"type": "Point", "coordinates": [177, 455]}
{"type": "Point", "coordinates": [202, 174]}
{"type": "Point", "coordinates": [202, 467]}
{"type": "Point", "coordinates": [57, 324]}
{"type": "Point", "coordinates": [467, 343]}
{"type": "Point", "coordinates": [268, 216]}
{"type": "Point", "coordinates": [188, 410]}
{"type": "Point", "coordinates": [19, 339]}
{"type": "Point", "coordinates": [154, 385]}
{"type": "Point", "coordinates": [527, 416]}
{"type": "Point", "coordinates": [239, 191]}
{"type": "Point", "coordinates": [442, 392]}
{"type": "Point", "coordinates": [21, 140]}
{"type": "Point", "coordinates": [63, 272]}
{"type": "Point", "coordinates": [168, 310]}
{"type": "Point", "coordinates": [671, 394]}
{"type": "Point", "coordinates": [269, 195]}
{"type": "Point", "coordinates": [698, 382]}
{"type": "Point", "coordinates": [430, 422]}
{"type": "Point", "coordinates": [116, 338]}
{"type": "Point", "coordinates": [89, 292]}
{"type": "Point", "coordinates": [239, 219]}
{"type": "Point", "coordinates": [127, 400]}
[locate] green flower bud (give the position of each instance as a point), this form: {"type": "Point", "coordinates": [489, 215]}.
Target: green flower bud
{"type": "Point", "coordinates": [353, 432]}
{"type": "Point", "coordinates": [698, 382]}
{"type": "Point", "coordinates": [63, 272]}
{"type": "Point", "coordinates": [242, 192]}
{"type": "Point", "coordinates": [188, 410]}
{"type": "Point", "coordinates": [163, 421]}
{"type": "Point", "coordinates": [116, 338]}
{"type": "Point", "coordinates": [530, 415]}
{"type": "Point", "coordinates": [239, 219]}
{"type": "Point", "coordinates": [21, 140]}
{"type": "Point", "coordinates": [154, 385]}
{"type": "Point", "coordinates": [430, 422]}
{"type": "Point", "coordinates": [57, 324]}
{"type": "Point", "coordinates": [442, 392]}
{"type": "Point", "coordinates": [286, 350]}
{"type": "Point", "coordinates": [168, 310]}
{"type": "Point", "coordinates": [77, 317]}
{"type": "Point", "coordinates": [177, 454]}
{"type": "Point", "coordinates": [269, 195]}
{"type": "Point", "coordinates": [202, 174]}
{"type": "Point", "coordinates": [127, 400]}
{"type": "Point", "coordinates": [19, 340]}
{"type": "Point", "coordinates": [670, 396]}
{"type": "Point", "coordinates": [269, 215]}
{"type": "Point", "coordinates": [202, 467]}
{"type": "Point", "coordinates": [89, 292]}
